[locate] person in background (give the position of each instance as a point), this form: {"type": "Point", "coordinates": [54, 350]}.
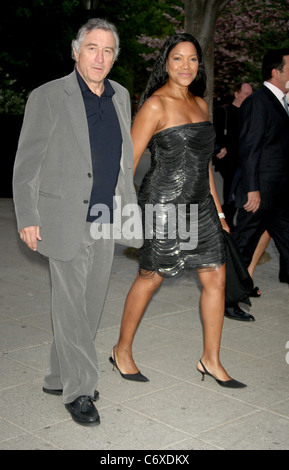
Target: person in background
{"type": "Point", "coordinates": [258, 253]}
{"type": "Point", "coordinates": [262, 195]}
{"type": "Point", "coordinates": [226, 159]}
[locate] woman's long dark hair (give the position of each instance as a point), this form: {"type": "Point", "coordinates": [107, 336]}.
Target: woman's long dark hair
{"type": "Point", "coordinates": [159, 75]}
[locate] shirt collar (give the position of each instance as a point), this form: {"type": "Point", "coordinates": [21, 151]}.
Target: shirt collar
{"type": "Point", "coordinates": [108, 89]}
{"type": "Point", "coordinates": [275, 90]}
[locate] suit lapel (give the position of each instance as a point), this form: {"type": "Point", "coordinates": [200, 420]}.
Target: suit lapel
{"type": "Point", "coordinates": [125, 128]}
{"type": "Point", "coordinates": [77, 114]}
{"type": "Point", "coordinates": [276, 103]}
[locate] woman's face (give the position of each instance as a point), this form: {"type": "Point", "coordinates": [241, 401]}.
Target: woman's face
{"type": "Point", "coordinates": [182, 64]}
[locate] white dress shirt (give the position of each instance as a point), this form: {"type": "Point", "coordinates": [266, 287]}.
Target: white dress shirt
{"type": "Point", "coordinates": [276, 91]}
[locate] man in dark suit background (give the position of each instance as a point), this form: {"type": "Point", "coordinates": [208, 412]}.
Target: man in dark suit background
{"type": "Point", "coordinates": [263, 191]}
{"type": "Point", "coordinates": [226, 121]}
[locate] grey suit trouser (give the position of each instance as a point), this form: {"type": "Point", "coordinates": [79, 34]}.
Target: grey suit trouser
{"type": "Point", "coordinates": [79, 290]}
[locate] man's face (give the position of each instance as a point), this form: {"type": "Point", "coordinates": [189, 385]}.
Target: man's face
{"type": "Point", "coordinates": [282, 77]}
{"type": "Point", "coordinates": [245, 91]}
{"type": "Point", "coordinates": [96, 57]}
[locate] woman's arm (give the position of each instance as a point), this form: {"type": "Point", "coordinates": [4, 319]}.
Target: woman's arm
{"type": "Point", "coordinates": [144, 127]}
{"type": "Point", "coordinates": [216, 199]}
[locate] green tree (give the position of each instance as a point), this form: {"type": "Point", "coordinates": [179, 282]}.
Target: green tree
{"type": "Point", "coordinates": [133, 20]}
{"type": "Point", "coordinates": [37, 35]}
{"type": "Point", "coordinates": [200, 21]}
{"type": "Point", "coordinates": [234, 35]}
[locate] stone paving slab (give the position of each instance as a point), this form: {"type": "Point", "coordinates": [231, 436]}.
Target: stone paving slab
{"type": "Point", "coordinates": [175, 410]}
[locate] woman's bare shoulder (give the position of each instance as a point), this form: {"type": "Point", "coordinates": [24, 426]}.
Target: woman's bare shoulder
{"type": "Point", "coordinates": [154, 102]}
{"type": "Point", "coordinates": [202, 104]}
{"type": "Point", "coordinates": [151, 110]}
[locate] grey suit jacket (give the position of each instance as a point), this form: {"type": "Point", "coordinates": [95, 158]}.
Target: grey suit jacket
{"type": "Point", "coordinates": [52, 178]}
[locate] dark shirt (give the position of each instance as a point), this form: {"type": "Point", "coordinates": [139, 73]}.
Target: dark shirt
{"type": "Point", "coordinates": [105, 143]}
{"type": "Point", "coordinates": [227, 119]}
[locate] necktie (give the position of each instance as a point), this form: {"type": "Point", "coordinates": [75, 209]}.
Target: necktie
{"type": "Point", "coordinates": [286, 104]}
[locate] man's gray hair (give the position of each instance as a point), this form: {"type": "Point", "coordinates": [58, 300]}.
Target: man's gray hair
{"type": "Point", "coordinates": [91, 25]}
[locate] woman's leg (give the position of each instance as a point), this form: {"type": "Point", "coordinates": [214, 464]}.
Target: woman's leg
{"type": "Point", "coordinates": [136, 303]}
{"type": "Point", "coordinates": [260, 248]}
{"type": "Point", "coordinates": [212, 309]}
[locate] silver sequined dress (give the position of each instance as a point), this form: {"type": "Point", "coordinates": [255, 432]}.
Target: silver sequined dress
{"type": "Point", "coordinates": [174, 197]}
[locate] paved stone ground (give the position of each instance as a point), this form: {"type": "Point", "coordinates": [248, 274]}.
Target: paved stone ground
{"type": "Point", "coordinates": [175, 410]}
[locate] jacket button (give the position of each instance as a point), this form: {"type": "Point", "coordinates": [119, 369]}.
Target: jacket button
{"type": "Point", "coordinates": [85, 201]}
{"type": "Point", "coordinates": [89, 175]}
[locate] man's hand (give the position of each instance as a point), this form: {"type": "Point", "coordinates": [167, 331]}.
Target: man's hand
{"type": "Point", "coordinates": [254, 201]}
{"type": "Point", "coordinates": [30, 235]}
{"type": "Point", "coordinates": [222, 153]}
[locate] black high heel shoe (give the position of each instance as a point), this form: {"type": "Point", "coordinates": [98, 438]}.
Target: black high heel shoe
{"type": "Point", "coordinates": [255, 292]}
{"type": "Point", "coordinates": [232, 383]}
{"type": "Point", "coordinates": [138, 377]}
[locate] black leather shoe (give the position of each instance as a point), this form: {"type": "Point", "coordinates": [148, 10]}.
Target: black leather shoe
{"type": "Point", "coordinates": [236, 313]}
{"type": "Point", "coordinates": [59, 392]}
{"type": "Point", "coordinates": [83, 411]}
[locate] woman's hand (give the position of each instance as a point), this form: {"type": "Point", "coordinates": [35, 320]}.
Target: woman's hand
{"type": "Point", "coordinates": [225, 226]}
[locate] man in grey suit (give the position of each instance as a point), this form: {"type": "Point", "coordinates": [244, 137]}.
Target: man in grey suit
{"type": "Point", "coordinates": [74, 158]}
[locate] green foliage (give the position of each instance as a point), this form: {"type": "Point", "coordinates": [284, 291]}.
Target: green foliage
{"type": "Point", "coordinates": [11, 102]}
{"type": "Point", "coordinates": [37, 35]}
{"type": "Point", "coordinates": [36, 40]}
{"type": "Point", "coordinates": [133, 20]}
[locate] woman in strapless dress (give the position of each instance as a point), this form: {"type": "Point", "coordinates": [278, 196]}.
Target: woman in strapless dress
{"type": "Point", "coordinates": [180, 206]}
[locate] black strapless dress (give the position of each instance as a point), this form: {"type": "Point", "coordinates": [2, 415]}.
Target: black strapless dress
{"type": "Point", "coordinates": [182, 229]}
